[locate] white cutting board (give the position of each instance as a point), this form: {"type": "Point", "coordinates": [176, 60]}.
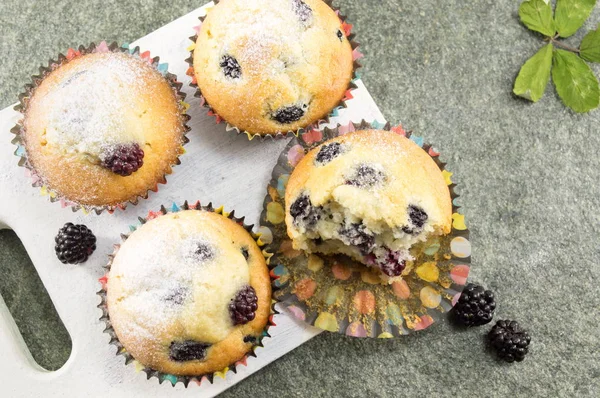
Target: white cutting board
{"type": "Point", "coordinates": [219, 166]}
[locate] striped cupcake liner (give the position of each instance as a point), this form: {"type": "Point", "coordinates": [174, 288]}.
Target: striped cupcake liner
{"type": "Point", "coordinates": [19, 130]}
{"type": "Point", "coordinates": [356, 55]}
{"type": "Point", "coordinates": [342, 296]}
{"type": "Point", "coordinates": [121, 350]}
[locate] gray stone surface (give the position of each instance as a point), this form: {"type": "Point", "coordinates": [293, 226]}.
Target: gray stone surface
{"type": "Point", "coordinates": [528, 174]}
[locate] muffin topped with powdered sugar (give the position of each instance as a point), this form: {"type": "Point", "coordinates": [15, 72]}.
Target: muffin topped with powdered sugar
{"type": "Point", "coordinates": [370, 195]}
{"type": "Point", "coordinates": [189, 293]}
{"type": "Point", "coordinates": [270, 66]}
{"type": "Point", "coordinates": [103, 128]}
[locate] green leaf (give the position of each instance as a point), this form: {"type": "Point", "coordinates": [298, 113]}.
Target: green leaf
{"type": "Point", "coordinates": [590, 46]}
{"type": "Point", "coordinates": [537, 15]}
{"type": "Point", "coordinates": [571, 14]}
{"type": "Point", "coordinates": [534, 75]}
{"type": "Point", "coordinates": [575, 82]}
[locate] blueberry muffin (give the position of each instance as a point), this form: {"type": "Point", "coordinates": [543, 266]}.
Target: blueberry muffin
{"type": "Point", "coordinates": [269, 66]}
{"type": "Point", "coordinates": [103, 128]}
{"type": "Point", "coordinates": [189, 293]}
{"type": "Point", "coordinates": [370, 195]}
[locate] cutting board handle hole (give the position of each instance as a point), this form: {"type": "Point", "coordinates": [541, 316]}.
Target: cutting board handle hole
{"type": "Point", "coordinates": [30, 306]}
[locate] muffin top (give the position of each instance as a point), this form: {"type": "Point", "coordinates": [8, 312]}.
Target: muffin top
{"type": "Point", "coordinates": [103, 128]}
{"type": "Point", "coordinates": [382, 179]}
{"type": "Point", "coordinates": [269, 66]}
{"type": "Point", "coordinates": [181, 289]}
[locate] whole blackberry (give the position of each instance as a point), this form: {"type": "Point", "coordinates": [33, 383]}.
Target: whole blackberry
{"type": "Point", "coordinates": [288, 114]}
{"type": "Point", "coordinates": [74, 243]}
{"type": "Point", "coordinates": [476, 306]}
{"type": "Point", "coordinates": [509, 340]}
{"type": "Point", "coordinates": [123, 159]}
{"type": "Point", "coordinates": [242, 308]}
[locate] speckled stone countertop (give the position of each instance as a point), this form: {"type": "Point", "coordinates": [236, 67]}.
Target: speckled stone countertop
{"type": "Point", "coordinates": [528, 177]}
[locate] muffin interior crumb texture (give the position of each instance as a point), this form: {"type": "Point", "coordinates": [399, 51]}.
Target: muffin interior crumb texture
{"type": "Point", "coordinates": [369, 195]}
{"type": "Point", "coordinates": [172, 288]}
{"type": "Point", "coordinates": [272, 65]}
{"type": "Point", "coordinates": [103, 128]}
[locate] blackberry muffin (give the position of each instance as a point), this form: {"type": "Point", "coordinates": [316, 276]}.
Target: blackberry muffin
{"type": "Point", "coordinates": [269, 66]}
{"type": "Point", "coordinates": [370, 195]}
{"type": "Point", "coordinates": [189, 293]}
{"type": "Point", "coordinates": [103, 128]}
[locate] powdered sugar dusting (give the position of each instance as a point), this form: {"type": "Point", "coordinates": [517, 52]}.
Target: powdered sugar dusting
{"type": "Point", "coordinates": [176, 275]}
{"type": "Point", "coordinates": [267, 37]}
{"type": "Point", "coordinates": [87, 108]}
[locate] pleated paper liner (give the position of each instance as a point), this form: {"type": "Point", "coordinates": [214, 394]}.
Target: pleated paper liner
{"type": "Point", "coordinates": [18, 129]}
{"type": "Point", "coordinates": [114, 340]}
{"type": "Point", "coordinates": [356, 55]}
{"type": "Point", "coordinates": [343, 296]}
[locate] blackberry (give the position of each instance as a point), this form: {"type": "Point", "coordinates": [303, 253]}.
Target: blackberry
{"type": "Point", "coordinates": [340, 35]}
{"type": "Point", "coordinates": [177, 296]}
{"type": "Point", "coordinates": [187, 350]}
{"type": "Point", "coordinates": [417, 217]}
{"type": "Point", "coordinates": [203, 252]}
{"type": "Point", "coordinates": [243, 306]}
{"type": "Point", "coordinates": [302, 10]}
{"type": "Point", "coordinates": [328, 152]}
{"type": "Point", "coordinates": [231, 67]}
{"type": "Point", "coordinates": [392, 268]}
{"type": "Point", "coordinates": [303, 211]}
{"type": "Point", "coordinates": [391, 264]}
{"type": "Point", "coordinates": [245, 253]}
{"type": "Point", "coordinates": [288, 114]}
{"type": "Point", "coordinates": [509, 340]}
{"type": "Point", "coordinates": [74, 243]}
{"type": "Point", "coordinates": [366, 176]}
{"type": "Point", "coordinates": [475, 307]}
{"type": "Point", "coordinates": [356, 235]}
{"type": "Point", "coordinates": [250, 339]}
{"type": "Point", "coordinates": [124, 159]}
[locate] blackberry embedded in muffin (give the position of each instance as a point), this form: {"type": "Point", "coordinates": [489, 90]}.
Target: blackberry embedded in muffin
{"type": "Point", "coordinates": [370, 195]}
{"type": "Point", "coordinates": [189, 293]}
{"type": "Point", "coordinates": [269, 66]}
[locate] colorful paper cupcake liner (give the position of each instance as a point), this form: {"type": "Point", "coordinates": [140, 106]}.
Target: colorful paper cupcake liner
{"type": "Point", "coordinates": [356, 55]}
{"type": "Point", "coordinates": [18, 129]}
{"type": "Point", "coordinates": [114, 340]}
{"type": "Point", "coordinates": [343, 296]}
